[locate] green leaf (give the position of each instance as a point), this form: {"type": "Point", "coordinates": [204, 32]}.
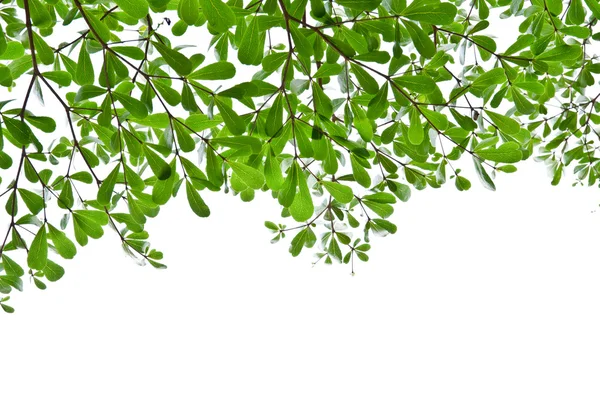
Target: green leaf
{"type": "Point", "coordinates": [88, 91]}
{"type": "Point", "coordinates": [356, 40]}
{"type": "Point", "coordinates": [360, 174]}
{"type": "Point", "coordinates": [483, 176]}
{"type": "Point", "coordinates": [416, 133]}
{"type": "Point", "coordinates": [274, 121]}
{"type": "Point", "coordinates": [522, 104]}
{"type": "Point", "coordinates": [302, 207]}
{"type": "Point", "coordinates": [438, 120]}
{"type": "Point", "coordinates": [360, 5]}
{"type": "Point", "coordinates": [322, 102]}
{"type": "Point", "coordinates": [11, 267]}
{"type": "Point", "coordinates": [53, 271]}
{"type": "Point", "coordinates": [34, 202]}
{"type": "Point", "coordinates": [252, 45]}
{"type": "Point", "coordinates": [88, 223]}
{"type": "Point", "coordinates": [134, 181]}
{"type": "Point", "coordinates": [378, 105]}
{"type": "Point", "coordinates": [170, 95]}
{"type": "Point", "coordinates": [328, 69]}
{"type": "Point", "coordinates": [45, 54]}
{"type": "Point", "coordinates": [215, 71]}
{"type": "Point", "coordinates": [435, 14]}
{"type": "Point", "coordinates": [46, 124]}
{"type": "Point", "coordinates": [199, 122]}
{"type": "Point", "coordinates": [492, 77]}
{"type": "Point", "coordinates": [366, 81]}
{"type": "Point", "coordinates": [417, 83]}
{"type": "Point", "coordinates": [159, 167]}
{"type": "Point", "coordinates": [531, 86]}
{"type": "Point", "coordinates": [462, 183]}
{"type": "Point", "coordinates": [383, 224]}
{"type": "Point", "coordinates": [99, 217]}
{"type": "Point", "coordinates": [98, 28]}
{"type": "Point", "coordinates": [196, 203]}
{"type": "Point", "coordinates": [523, 41]}
{"type": "Point", "coordinates": [420, 39]}
{"type": "Point", "coordinates": [175, 59]}
{"type": "Point", "coordinates": [508, 152]}
{"type": "Point", "coordinates": [380, 197]}
{"type": "Point", "coordinates": [189, 11]}
{"type": "Point", "coordinates": [108, 186]}
{"type": "Point", "coordinates": [84, 74]}
{"type": "Point", "coordinates": [381, 57]}
{"type": "Point", "coordinates": [341, 193]}
{"type": "Point", "coordinates": [12, 281]}
{"type": "Point", "coordinates": [59, 77]}
{"type": "Point", "coordinates": [39, 14]}
{"type": "Point", "coordinates": [129, 51]}
{"type": "Point", "coordinates": [38, 252]}
{"type": "Point", "coordinates": [235, 124]}
{"type": "Point", "coordinates": [273, 174]}
{"type": "Point", "coordinates": [162, 191]}
{"type": "Point", "coordinates": [62, 243]}
{"type": "Point", "coordinates": [18, 129]}
{"type": "Point", "coordinates": [303, 46]}
{"type": "Point", "coordinates": [3, 43]}
{"type": "Point", "coordinates": [288, 190]}
{"type": "Point", "coordinates": [133, 106]}
{"type": "Point", "coordinates": [506, 124]}
{"type": "Point", "coordinates": [66, 200]}
{"type": "Point", "coordinates": [382, 209]}
{"type": "Point", "coordinates": [252, 177]}
{"type": "Point", "coordinates": [219, 15]}
{"type": "Point", "coordinates": [594, 7]}
{"type": "Point", "coordinates": [185, 141]}
{"type": "Point", "coordinates": [271, 62]}
{"type": "Point", "coordinates": [245, 143]}
{"type": "Point", "coordinates": [135, 8]}
{"type": "Point", "coordinates": [270, 225]}
{"type": "Point", "coordinates": [576, 13]}
{"type": "Point", "coordinates": [562, 53]}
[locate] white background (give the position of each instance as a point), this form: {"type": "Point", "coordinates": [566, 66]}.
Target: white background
{"type": "Point", "coordinates": [478, 294]}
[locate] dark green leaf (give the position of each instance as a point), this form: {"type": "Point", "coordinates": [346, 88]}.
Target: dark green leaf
{"type": "Point", "coordinates": [435, 14]}
{"type": "Point", "coordinates": [420, 39]}
{"type": "Point", "coordinates": [252, 177]}
{"type": "Point", "coordinates": [360, 5]}
{"type": "Point", "coordinates": [219, 14]}
{"type": "Point", "coordinates": [135, 8]}
{"type": "Point", "coordinates": [38, 252]}
{"type": "Point", "coordinates": [252, 45]}
{"type": "Point", "coordinates": [159, 167]}
{"type": "Point", "coordinates": [188, 11]}
{"type": "Point", "coordinates": [508, 152]}
{"type": "Point", "coordinates": [341, 193]}
{"type": "Point", "coordinates": [235, 124]}
{"type": "Point", "coordinates": [302, 207]}
{"type": "Point", "coordinates": [34, 202]}
{"type": "Point", "coordinates": [175, 59]}
{"type": "Point", "coordinates": [108, 186]}
{"type": "Point", "coordinates": [215, 71]}
{"type": "Point", "coordinates": [62, 243]}
{"type": "Point", "coordinates": [134, 106]}
{"type": "Point", "coordinates": [366, 81]}
{"type": "Point", "coordinates": [84, 74]}
{"type": "Point", "coordinates": [196, 203]}
{"type": "Point", "coordinates": [506, 124]}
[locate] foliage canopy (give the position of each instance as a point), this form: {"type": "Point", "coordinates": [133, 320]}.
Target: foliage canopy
{"type": "Point", "coordinates": [337, 108]}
